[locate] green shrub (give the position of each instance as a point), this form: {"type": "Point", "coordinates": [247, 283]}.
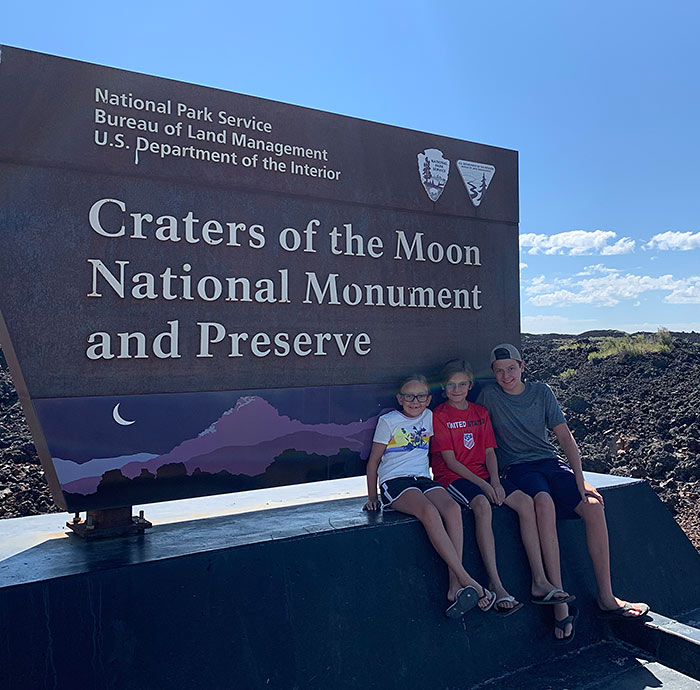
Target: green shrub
{"type": "Point", "coordinates": [572, 345]}
{"type": "Point", "coordinates": [664, 336]}
{"type": "Point", "coordinates": [567, 373]}
{"type": "Point", "coordinates": [634, 345]}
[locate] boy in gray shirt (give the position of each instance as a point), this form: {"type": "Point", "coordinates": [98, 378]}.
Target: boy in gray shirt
{"type": "Point", "coordinates": [521, 413]}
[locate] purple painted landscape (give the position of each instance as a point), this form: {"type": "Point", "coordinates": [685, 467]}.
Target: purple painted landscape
{"type": "Point", "coordinates": [249, 440]}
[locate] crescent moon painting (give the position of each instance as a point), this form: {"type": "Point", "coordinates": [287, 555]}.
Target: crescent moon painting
{"type": "Point", "coordinates": [118, 418]}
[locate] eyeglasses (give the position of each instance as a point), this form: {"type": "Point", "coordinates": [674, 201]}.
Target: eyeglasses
{"type": "Point", "coordinates": [410, 397]}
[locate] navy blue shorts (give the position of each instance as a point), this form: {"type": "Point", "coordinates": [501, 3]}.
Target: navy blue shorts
{"type": "Point", "coordinates": [551, 476]}
{"type": "Point", "coordinates": [392, 489]}
{"type": "Point", "coordinates": [463, 491]}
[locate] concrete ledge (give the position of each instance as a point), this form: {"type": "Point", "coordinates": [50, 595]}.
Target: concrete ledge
{"type": "Point", "coordinates": [600, 666]}
{"type": "Point", "coordinates": [673, 642]}
{"type": "Point", "coordinates": [311, 596]}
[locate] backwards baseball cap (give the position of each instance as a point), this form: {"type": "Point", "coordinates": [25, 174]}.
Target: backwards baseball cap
{"type": "Point", "coordinates": [505, 351]}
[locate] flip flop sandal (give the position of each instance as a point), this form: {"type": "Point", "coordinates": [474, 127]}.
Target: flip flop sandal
{"type": "Point", "coordinates": [622, 612]}
{"type": "Point", "coordinates": [548, 599]}
{"type": "Point", "coordinates": [569, 620]}
{"type": "Point", "coordinates": [486, 592]}
{"type": "Point", "coordinates": [467, 598]}
{"type": "Point", "coordinates": [503, 612]}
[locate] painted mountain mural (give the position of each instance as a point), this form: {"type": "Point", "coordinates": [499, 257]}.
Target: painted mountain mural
{"type": "Point", "coordinates": [251, 445]}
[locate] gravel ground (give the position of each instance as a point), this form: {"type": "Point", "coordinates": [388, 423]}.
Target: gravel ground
{"type": "Point", "coordinates": [633, 416]}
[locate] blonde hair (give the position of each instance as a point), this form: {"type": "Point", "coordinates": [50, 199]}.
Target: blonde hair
{"type": "Point", "coordinates": [456, 366]}
{"type": "Point", "coordinates": [419, 378]}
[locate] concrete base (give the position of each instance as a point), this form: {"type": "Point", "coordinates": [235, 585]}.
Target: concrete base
{"type": "Point", "coordinates": [676, 643]}
{"type": "Point", "coordinates": [601, 666]}
{"type": "Point", "coordinates": [319, 595]}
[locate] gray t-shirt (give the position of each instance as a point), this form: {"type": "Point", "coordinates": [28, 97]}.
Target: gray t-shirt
{"type": "Point", "coordinates": [520, 422]}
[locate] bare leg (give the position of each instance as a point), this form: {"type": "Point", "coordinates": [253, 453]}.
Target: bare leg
{"type": "Point", "coordinates": [523, 505]}
{"type": "Point", "coordinates": [451, 514]}
{"type": "Point", "coordinates": [597, 540]}
{"type": "Point", "coordinates": [413, 502]}
{"type": "Point", "coordinates": [598, 549]}
{"type": "Point", "coordinates": [549, 541]}
{"type": "Point", "coordinates": [487, 547]}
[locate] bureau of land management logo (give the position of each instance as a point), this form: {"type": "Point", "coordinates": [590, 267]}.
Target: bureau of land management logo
{"type": "Point", "coordinates": [477, 178]}
{"type": "Point", "coordinates": [434, 169]}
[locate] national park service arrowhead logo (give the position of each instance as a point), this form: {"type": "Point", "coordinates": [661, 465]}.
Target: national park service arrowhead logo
{"type": "Point", "coordinates": [476, 178]}
{"type": "Point", "coordinates": [434, 170]}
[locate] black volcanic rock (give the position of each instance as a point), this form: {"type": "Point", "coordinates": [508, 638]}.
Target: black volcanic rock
{"type": "Point", "coordinates": [23, 488]}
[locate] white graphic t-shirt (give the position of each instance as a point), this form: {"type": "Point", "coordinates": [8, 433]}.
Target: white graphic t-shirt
{"type": "Point", "coordinates": [407, 441]}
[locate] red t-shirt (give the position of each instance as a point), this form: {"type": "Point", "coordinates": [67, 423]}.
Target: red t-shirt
{"type": "Point", "coordinates": [466, 432]}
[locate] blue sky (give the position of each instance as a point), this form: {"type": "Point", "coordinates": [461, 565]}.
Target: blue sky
{"type": "Point", "coordinates": [601, 99]}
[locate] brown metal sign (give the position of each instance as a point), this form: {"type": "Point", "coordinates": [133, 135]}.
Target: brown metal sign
{"type": "Point", "coordinates": [194, 282]}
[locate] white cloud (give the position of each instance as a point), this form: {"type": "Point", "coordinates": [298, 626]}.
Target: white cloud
{"type": "Point", "coordinates": [609, 289]}
{"type": "Point", "coordinates": [544, 323]}
{"type": "Point", "coordinates": [624, 245]}
{"type": "Point", "coordinates": [537, 286]}
{"type": "Point", "coordinates": [674, 241]}
{"type": "Point", "coordinates": [577, 243]}
{"type": "Point", "coordinates": [522, 266]}
{"type": "Point", "coordinates": [597, 268]}
{"type": "Point", "coordinates": [563, 298]}
{"type": "Point", "coordinates": [651, 327]}
{"type": "Point", "coordinates": [687, 293]}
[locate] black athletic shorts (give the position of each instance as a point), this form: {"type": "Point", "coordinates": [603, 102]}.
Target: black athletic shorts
{"type": "Point", "coordinates": [391, 489]}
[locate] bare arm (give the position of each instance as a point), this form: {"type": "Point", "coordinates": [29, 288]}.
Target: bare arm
{"type": "Point", "coordinates": [492, 467]}
{"type": "Point", "coordinates": [375, 457]}
{"type": "Point", "coordinates": [573, 457]}
{"type": "Point", "coordinates": [458, 468]}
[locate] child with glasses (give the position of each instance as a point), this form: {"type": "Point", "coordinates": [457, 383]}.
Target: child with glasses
{"type": "Point", "coordinates": [464, 462]}
{"type": "Point", "coordinates": [399, 462]}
